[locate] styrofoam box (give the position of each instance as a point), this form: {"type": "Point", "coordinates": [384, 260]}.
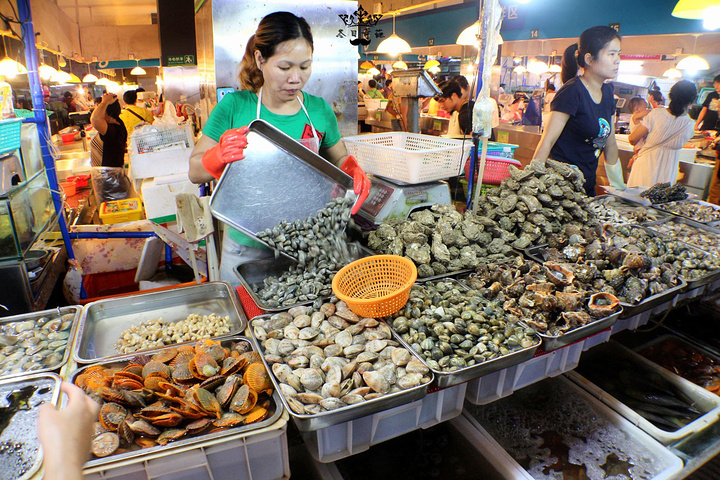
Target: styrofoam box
{"type": "Point", "coordinates": [259, 455]}
{"type": "Point", "coordinates": [631, 323]}
{"type": "Point", "coordinates": [489, 451]}
{"type": "Point", "coordinates": [702, 399]}
{"type": "Point", "coordinates": [502, 383]}
{"type": "Point", "coordinates": [345, 439]}
{"type": "Point", "coordinates": [158, 164]}
{"type": "Point", "coordinates": [159, 194]}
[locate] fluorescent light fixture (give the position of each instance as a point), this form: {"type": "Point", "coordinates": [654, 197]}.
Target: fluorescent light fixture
{"type": "Point", "coordinates": [90, 78]}
{"type": "Point", "coordinates": [400, 65]}
{"type": "Point", "coordinates": [138, 71]}
{"type": "Point", "coordinates": [693, 62]}
{"type": "Point", "coordinates": [672, 73]}
{"type": "Point", "coordinates": [394, 45]}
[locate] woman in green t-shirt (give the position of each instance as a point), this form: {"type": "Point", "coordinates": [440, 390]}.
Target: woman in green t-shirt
{"type": "Point", "coordinates": [276, 66]}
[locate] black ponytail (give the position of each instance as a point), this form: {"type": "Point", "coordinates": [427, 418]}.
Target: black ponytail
{"type": "Point", "coordinates": [682, 94]}
{"type": "Point", "coordinates": [569, 63]}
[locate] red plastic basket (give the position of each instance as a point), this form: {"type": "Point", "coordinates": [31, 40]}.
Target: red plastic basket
{"type": "Point", "coordinates": [496, 170]}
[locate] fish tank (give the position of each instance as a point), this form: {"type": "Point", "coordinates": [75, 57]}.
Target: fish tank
{"type": "Point", "coordinates": [25, 213]}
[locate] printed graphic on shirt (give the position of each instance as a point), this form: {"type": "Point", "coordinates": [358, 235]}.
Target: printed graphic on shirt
{"type": "Point", "coordinates": [307, 133]}
{"type": "Point", "coordinates": [714, 103]}
{"type": "Point", "coordinates": [598, 142]}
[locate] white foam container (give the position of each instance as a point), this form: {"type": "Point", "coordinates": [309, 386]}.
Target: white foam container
{"type": "Point", "coordinates": [159, 194]}
{"type": "Point", "coordinates": [491, 449]}
{"type": "Point", "coordinates": [631, 323]}
{"type": "Point", "coordinates": [690, 295]}
{"type": "Point", "coordinates": [703, 399]}
{"type": "Point", "coordinates": [502, 383]}
{"type": "Point", "coordinates": [258, 455]}
{"type": "Point", "coordinates": [345, 439]}
{"type": "Point", "coordinates": [497, 468]}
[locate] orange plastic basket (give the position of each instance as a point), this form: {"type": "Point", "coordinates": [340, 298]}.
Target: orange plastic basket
{"type": "Point", "coordinates": [375, 286]}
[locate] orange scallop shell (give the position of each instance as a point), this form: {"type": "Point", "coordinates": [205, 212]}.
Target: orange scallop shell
{"type": "Point", "coordinates": [257, 378]}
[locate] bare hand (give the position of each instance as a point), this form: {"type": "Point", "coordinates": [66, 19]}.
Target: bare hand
{"type": "Point", "coordinates": [108, 98]}
{"type": "Point", "coordinates": [65, 434]}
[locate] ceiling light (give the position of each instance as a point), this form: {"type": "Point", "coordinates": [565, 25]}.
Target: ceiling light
{"type": "Point", "coordinates": [394, 45]}
{"type": "Point", "coordinates": [672, 73]}
{"type": "Point", "coordinates": [430, 64]}
{"type": "Point", "coordinates": [367, 65]}
{"type": "Point", "coordinates": [712, 19]}
{"type": "Point", "coordinates": [630, 66]}
{"type": "Point", "coordinates": [47, 72]}
{"type": "Point", "coordinates": [10, 68]}
{"type": "Point", "coordinates": [554, 68]}
{"type": "Point", "coordinates": [102, 81]}
{"type": "Point", "coordinates": [138, 70]}
{"type": "Point", "coordinates": [693, 9]}
{"type": "Point", "coordinates": [434, 70]}
{"type": "Point", "coordinates": [90, 78]}
{"type": "Point", "coordinates": [537, 67]}
{"type": "Point", "coordinates": [400, 65]}
{"type": "Point", "coordinates": [693, 62]}
{"type": "Point", "coordinates": [519, 69]}
{"type": "Point", "coordinates": [73, 78]}
{"type": "Point", "coordinates": [472, 34]}
{"type": "Point", "coordinates": [373, 71]}
{"type": "Point", "coordinates": [61, 77]}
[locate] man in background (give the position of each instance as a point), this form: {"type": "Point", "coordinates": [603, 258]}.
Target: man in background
{"type": "Point", "coordinates": [133, 115]}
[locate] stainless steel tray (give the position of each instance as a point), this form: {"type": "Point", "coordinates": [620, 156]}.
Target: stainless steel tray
{"type": "Point", "coordinates": [21, 428]}
{"type": "Point", "coordinates": [685, 221]}
{"type": "Point", "coordinates": [103, 321]}
{"type": "Point", "coordinates": [553, 342]}
{"type": "Point", "coordinates": [75, 310]}
{"type": "Point", "coordinates": [448, 379]}
{"type": "Point", "coordinates": [309, 423]}
{"type": "Point", "coordinates": [628, 309]}
{"type": "Point", "coordinates": [184, 442]}
{"type": "Point", "coordinates": [279, 180]}
{"type": "Point", "coordinates": [251, 275]}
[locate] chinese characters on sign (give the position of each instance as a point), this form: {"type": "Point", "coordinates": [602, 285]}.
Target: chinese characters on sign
{"type": "Point", "coordinates": [178, 60]}
{"type": "Point", "coordinates": [360, 24]}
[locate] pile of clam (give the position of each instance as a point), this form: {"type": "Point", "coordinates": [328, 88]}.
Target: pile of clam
{"type": "Point", "coordinates": [614, 210]}
{"type": "Point", "coordinates": [699, 212]}
{"type": "Point", "coordinates": [550, 298]}
{"type": "Point", "coordinates": [537, 202]}
{"type": "Point", "coordinates": [452, 328]}
{"type": "Point", "coordinates": [176, 393]}
{"type": "Point", "coordinates": [317, 239]}
{"type": "Point", "coordinates": [698, 237]}
{"type": "Point", "coordinates": [31, 345]}
{"type": "Point", "coordinates": [330, 358]}
{"type": "Point", "coordinates": [295, 285]}
{"type": "Point", "coordinates": [442, 240]}
{"type": "Point", "coordinates": [158, 332]}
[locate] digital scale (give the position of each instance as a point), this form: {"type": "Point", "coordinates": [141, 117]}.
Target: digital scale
{"type": "Point", "coordinates": [388, 200]}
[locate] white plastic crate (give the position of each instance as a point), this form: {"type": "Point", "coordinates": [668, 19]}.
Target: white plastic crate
{"type": "Point", "coordinates": [165, 152]}
{"type": "Point", "coordinates": [345, 439]}
{"type": "Point", "coordinates": [409, 157]}
{"type": "Point", "coordinates": [636, 321]}
{"type": "Point", "coordinates": [492, 450]}
{"type": "Point", "coordinates": [690, 295]}
{"type": "Point", "coordinates": [259, 455]}
{"type": "Point", "coordinates": [504, 382]}
{"type": "Point", "coordinates": [488, 454]}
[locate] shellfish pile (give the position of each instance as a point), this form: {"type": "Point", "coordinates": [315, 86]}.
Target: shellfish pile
{"type": "Point", "coordinates": [693, 210]}
{"type": "Point", "coordinates": [664, 192]}
{"type": "Point", "coordinates": [451, 328]}
{"type": "Point", "coordinates": [295, 285]}
{"type": "Point", "coordinates": [537, 202]}
{"type": "Point", "coordinates": [176, 393]}
{"type": "Point", "coordinates": [613, 210]}
{"type": "Point", "coordinates": [698, 237]}
{"type": "Point", "coordinates": [331, 358]}
{"type": "Point", "coordinates": [442, 240]}
{"type": "Point", "coordinates": [548, 298]}
{"type": "Point", "coordinates": [30, 345]}
{"type": "Point", "coordinates": [158, 333]}
{"type": "Point", "coordinates": [319, 238]}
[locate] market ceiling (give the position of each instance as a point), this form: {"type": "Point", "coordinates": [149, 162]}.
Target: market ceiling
{"type": "Point", "coordinates": [110, 12]}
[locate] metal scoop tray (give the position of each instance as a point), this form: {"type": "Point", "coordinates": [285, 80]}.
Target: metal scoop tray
{"type": "Point", "coordinates": [278, 180]}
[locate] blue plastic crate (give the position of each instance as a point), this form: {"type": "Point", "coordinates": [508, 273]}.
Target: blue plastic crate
{"type": "Point", "coordinates": [10, 134]}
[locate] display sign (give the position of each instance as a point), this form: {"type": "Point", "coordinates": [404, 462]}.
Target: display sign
{"type": "Point", "coordinates": [180, 60]}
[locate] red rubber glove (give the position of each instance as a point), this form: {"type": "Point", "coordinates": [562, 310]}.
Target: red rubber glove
{"type": "Point", "coordinates": [361, 182]}
{"type": "Point", "coordinates": [230, 149]}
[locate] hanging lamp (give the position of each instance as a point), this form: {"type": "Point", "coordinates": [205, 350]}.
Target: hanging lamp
{"type": "Point", "coordinates": [471, 36]}
{"type": "Point", "coordinates": [672, 73]}
{"type": "Point", "coordinates": [519, 69]}
{"type": "Point", "coordinates": [431, 64]}
{"type": "Point", "coordinates": [366, 65]}
{"type": "Point", "coordinates": [537, 67]}
{"type": "Point", "coordinates": [400, 65]}
{"type": "Point", "coordinates": [73, 78]}
{"type": "Point", "coordinates": [138, 70]}
{"type": "Point", "coordinates": [89, 78]}
{"type": "Point", "coordinates": [394, 45]}
{"type": "Point", "coordinates": [102, 81]}
{"type": "Point", "coordinates": [8, 67]}
{"type": "Point", "coordinates": [693, 62]}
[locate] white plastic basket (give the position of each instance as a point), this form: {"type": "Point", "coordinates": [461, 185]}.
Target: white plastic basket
{"type": "Point", "coordinates": [409, 157]}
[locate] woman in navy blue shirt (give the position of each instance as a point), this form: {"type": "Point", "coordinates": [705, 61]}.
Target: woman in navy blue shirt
{"type": "Point", "coordinates": [582, 119]}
